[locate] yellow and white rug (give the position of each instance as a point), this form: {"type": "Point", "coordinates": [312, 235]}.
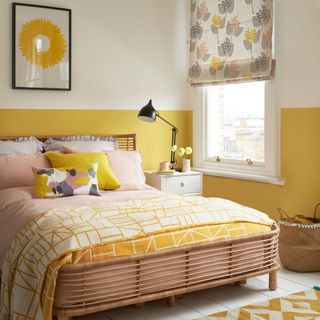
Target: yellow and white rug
{"type": "Point", "coordinates": [298, 306]}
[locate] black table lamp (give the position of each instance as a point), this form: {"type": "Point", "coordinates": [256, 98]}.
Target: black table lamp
{"type": "Point", "coordinates": [149, 114]}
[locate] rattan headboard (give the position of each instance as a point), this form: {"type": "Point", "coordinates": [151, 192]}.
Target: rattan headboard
{"type": "Point", "coordinates": [125, 141]}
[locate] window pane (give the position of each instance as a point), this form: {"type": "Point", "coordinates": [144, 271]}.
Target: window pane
{"type": "Point", "coordinates": [235, 124]}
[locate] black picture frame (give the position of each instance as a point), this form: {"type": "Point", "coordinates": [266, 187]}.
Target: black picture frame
{"type": "Point", "coordinates": [18, 67]}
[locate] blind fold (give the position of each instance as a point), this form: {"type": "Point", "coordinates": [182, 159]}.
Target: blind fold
{"type": "Point", "coordinates": [230, 41]}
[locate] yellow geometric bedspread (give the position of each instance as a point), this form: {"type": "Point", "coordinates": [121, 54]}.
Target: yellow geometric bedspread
{"type": "Point", "coordinates": [110, 230]}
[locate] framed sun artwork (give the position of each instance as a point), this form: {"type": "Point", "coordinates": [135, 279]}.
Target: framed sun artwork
{"type": "Point", "coordinates": [41, 47]}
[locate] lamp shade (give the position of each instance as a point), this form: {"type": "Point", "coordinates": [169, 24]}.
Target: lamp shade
{"type": "Point", "coordinates": [148, 113]}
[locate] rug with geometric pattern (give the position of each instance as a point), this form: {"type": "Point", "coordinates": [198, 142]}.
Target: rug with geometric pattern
{"type": "Point", "coordinates": [303, 305]}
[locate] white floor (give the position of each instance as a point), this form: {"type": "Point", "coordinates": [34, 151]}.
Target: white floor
{"type": "Point", "coordinates": [198, 304]}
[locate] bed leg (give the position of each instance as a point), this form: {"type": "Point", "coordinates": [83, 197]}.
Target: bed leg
{"type": "Point", "coordinates": [273, 283]}
{"type": "Point", "coordinates": [171, 301]}
{"type": "Point", "coordinates": [241, 282]}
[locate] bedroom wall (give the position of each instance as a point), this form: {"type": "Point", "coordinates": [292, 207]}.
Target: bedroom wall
{"type": "Point", "coordinates": [123, 53]}
{"type": "Point", "coordinates": [297, 97]}
{"type": "Point", "coordinates": [153, 139]}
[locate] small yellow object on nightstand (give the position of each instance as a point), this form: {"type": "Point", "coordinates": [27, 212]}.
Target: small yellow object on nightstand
{"type": "Point", "coordinates": [164, 172]}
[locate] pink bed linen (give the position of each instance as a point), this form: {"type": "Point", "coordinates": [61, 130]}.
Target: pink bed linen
{"type": "Point", "coordinates": [17, 207]}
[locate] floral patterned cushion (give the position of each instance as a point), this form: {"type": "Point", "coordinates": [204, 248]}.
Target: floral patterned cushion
{"type": "Point", "coordinates": [63, 182]}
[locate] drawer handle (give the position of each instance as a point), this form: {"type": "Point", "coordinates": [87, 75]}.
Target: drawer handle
{"type": "Point", "coordinates": [181, 184]}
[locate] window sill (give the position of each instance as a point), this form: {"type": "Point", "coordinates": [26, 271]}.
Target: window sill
{"type": "Point", "coordinates": [241, 176]}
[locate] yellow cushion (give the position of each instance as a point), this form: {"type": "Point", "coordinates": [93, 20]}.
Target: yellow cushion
{"type": "Point", "coordinates": [106, 179]}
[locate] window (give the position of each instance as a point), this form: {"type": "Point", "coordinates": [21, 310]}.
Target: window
{"type": "Point", "coordinates": [236, 132]}
{"type": "Point", "coordinates": [235, 122]}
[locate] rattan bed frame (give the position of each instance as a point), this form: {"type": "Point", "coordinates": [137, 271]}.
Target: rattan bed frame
{"type": "Point", "coordinates": [97, 286]}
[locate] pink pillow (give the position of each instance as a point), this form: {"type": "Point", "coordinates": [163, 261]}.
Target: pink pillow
{"type": "Point", "coordinates": [16, 169]}
{"type": "Point", "coordinates": [127, 167]}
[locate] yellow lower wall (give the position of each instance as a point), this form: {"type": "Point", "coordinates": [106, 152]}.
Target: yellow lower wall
{"type": "Point", "coordinates": [300, 165]}
{"type": "Point", "coordinates": [300, 149]}
{"type": "Point", "coordinates": [154, 139]}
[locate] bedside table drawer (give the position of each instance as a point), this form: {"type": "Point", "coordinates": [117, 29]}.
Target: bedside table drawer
{"type": "Point", "coordinates": [181, 184]}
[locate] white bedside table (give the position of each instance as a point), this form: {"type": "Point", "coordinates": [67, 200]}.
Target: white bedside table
{"type": "Point", "coordinates": [179, 183]}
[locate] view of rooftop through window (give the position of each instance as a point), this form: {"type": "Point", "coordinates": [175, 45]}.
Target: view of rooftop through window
{"type": "Point", "coordinates": [235, 124]}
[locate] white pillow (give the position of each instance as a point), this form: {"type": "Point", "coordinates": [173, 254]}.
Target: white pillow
{"type": "Point", "coordinates": [23, 145]}
{"type": "Point", "coordinates": [83, 143]}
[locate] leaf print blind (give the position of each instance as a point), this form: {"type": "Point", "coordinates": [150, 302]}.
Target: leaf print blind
{"type": "Point", "coordinates": [230, 41]}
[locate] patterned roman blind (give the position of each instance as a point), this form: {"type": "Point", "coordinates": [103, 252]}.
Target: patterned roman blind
{"type": "Point", "coordinates": [230, 41]}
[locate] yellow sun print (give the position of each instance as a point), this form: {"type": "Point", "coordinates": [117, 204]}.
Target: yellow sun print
{"type": "Point", "coordinates": [42, 43]}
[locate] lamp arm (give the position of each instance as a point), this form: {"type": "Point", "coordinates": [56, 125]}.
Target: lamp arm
{"type": "Point", "coordinates": [166, 121]}
{"type": "Point", "coordinates": [173, 160]}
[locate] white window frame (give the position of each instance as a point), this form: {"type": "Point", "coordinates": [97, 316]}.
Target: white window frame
{"type": "Point", "coordinates": [267, 172]}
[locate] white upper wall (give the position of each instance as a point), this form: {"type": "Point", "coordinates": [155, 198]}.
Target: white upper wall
{"type": "Point", "coordinates": [127, 51]}
{"type": "Point", "coordinates": [297, 51]}
{"type": "Point", "coordinates": [123, 53]}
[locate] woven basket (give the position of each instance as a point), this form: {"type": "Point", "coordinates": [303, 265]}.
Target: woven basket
{"type": "Point", "coordinates": [299, 245]}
